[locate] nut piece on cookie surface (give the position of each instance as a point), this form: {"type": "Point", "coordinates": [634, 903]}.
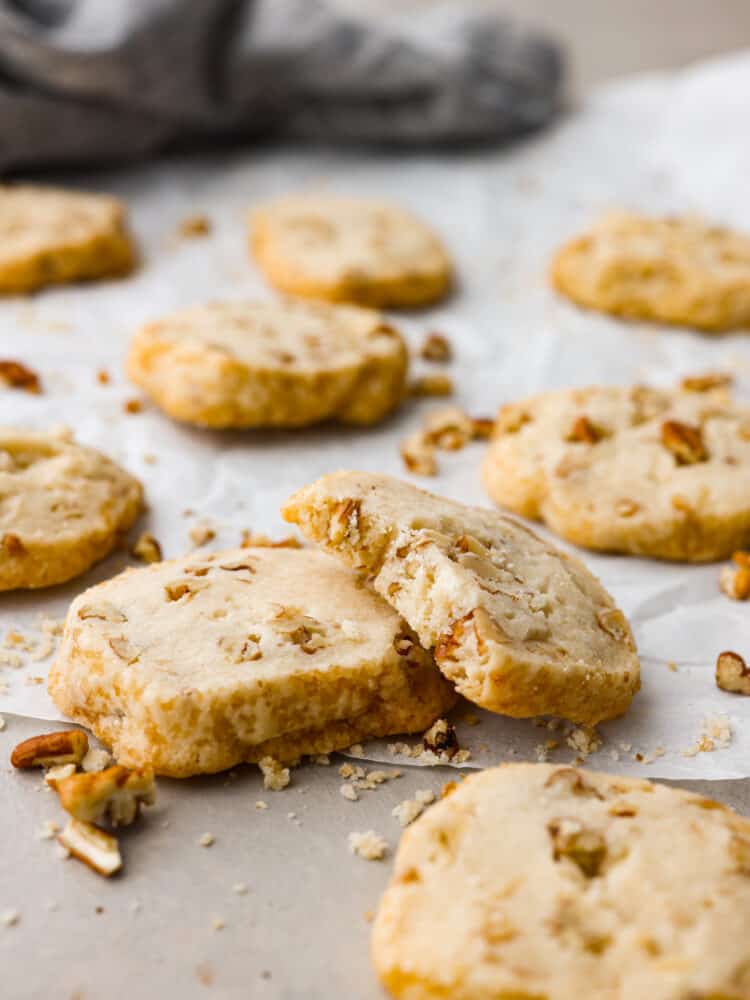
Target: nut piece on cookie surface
{"type": "Point", "coordinates": [114, 796]}
{"type": "Point", "coordinates": [68, 746]}
{"type": "Point", "coordinates": [732, 673]}
{"type": "Point", "coordinates": [96, 848]}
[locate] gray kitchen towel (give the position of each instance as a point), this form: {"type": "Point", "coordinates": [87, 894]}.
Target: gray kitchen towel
{"type": "Point", "coordinates": [87, 81]}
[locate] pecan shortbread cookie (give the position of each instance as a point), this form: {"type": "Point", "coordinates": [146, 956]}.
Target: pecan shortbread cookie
{"type": "Point", "coordinates": [669, 270]}
{"type": "Point", "coordinates": [62, 508]}
{"type": "Point", "coordinates": [347, 250]}
{"type": "Point", "coordinates": [536, 881]}
{"type": "Point", "coordinates": [50, 236]}
{"type": "Point", "coordinates": [271, 364]}
{"type": "Point", "coordinates": [644, 471]}
{"type": "Point", "coordinates": [519, 627]}
{"type": "Point", "coordinates": [195, 665]}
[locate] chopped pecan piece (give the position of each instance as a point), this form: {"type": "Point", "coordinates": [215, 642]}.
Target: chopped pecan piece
{"type": "Point", "coordinates": [255, 539]}
{"type": "Point", "coordinates": [418, 454]}
{"type": "Point", "coordinates": [587, 849]}
{"type": "Point", "coordinates": [626, 508]}
{"type": "Point", "coordinates": [449, 428]}
{"type": "Point", "coordinates": [68, 746]}
{"type": "Point", "coordinates": [195, 225]}
{"type": "Point", "coordinates": [482, 427]}
{"type": "Point", "coordinates": [571, 781]}
{"type": "Point", "coordinates": [123, 648]}
{"type": "Point", "coordinates": [97, 849]}
{"type": "Point", "coordinates": [431, 385]}
{"type": "Point", "coordinates": [584, 431]}
{"type": "Point", "coordinates": [147, 549]}
{"type": "Point", "coordinates": [201, 534]}
{"type": "Point", "coordinates": [178, 589]}
{"type": "Point", "coordinates": [706, 382]}
{"type": "Point", "coordinates": [735, 583]}
{"type": "Point", "coordinates": [12, 544]}
{"type": "Point", "coordinates": [684, 441]}
{"type": "Point", "coordinates": [441, 739]}
{"type": "Point", "coordinates": [18, 376]}
{"type": "Point", "coordinates": [105, 611]}
{"type": "Point", "coordinates": [510, 419]}
{"type": "Point", "coordinates": [114, 795]}
{"type": "Point", "coordinates": [436, 347]}
{"type": "Point", "coordinates": [732, 673]}
{"type": "Point", "coordinates": [344, 520]}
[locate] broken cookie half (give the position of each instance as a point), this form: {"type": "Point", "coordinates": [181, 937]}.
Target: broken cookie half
{"type": "Point", "coordinates": [195, 665]}
{"type": "Point", "coordinates": [518, 626]}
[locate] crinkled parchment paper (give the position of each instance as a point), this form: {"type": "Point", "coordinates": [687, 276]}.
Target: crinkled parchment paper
{"type": "Point", "coordinates": [672, 143]}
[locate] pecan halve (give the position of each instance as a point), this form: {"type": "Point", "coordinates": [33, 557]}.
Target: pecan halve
{"type": "Point", "coordinates": [97, 849]}
{"type": "Point", "coordinates": [68, 746]}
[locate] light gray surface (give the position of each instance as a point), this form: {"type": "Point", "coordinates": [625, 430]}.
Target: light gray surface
{"type": "Point", "coordinates": [299, 932]}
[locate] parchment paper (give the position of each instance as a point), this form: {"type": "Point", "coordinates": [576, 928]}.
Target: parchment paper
{"type": "Point", "coordinates": [660, 144]}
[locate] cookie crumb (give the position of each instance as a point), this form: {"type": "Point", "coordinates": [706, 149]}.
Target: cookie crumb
{"type": "Point", "coordinates": [206, 840]}
{"type": "Point", "coordinates": [436, 347]}
{"type": "Point", "coordinates": [132, 406]}
{"type": "Point", "coordinates": [275, 776]}
{"type": "Point", "coordinates": [716, 734]}
{"type": "Point", "coordinates": [584, 740]}
{"type": "Point", "coordinates": [260, 804]}
{"type": "Point", "coordinates": [217, 924]}
{"type": "Point", "coordinates": [431, 385]}
{"type": "Point", "coordinates": [194, 225]}
{"type": "Point", "coordinates": [201, 534]}
{"type": "Point", "coordinates": [9, 918]}
{"type": "Point", "coordinates": [349, 792]}
{"type": "Point", "coordinates": [356, 750]}
{"type": "Point", "coordinates": [368, 845]}
{"type": "Point", "coordinates": [239, 888]}
{"type": "Point", "coordinates": [147, 549]}
{"type": "Point", "coordinates": [49, 830]}
{"type": "Point", "coordinates": [441, 738]}
{"type": "Point", "coordinates": [96, 760]}
{"type": "Point", "coordinates": [735, 582]}
{"type": "Point", "coordinates": [103, 377]}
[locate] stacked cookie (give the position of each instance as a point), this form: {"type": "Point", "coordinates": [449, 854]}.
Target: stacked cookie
{"type": "Point", "coordinates": [194, 665]}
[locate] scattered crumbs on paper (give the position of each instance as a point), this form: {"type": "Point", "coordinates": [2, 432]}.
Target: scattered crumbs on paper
{"type": "Point", "coordinates": [368, 845]}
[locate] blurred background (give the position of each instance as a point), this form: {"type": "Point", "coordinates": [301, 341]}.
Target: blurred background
{"type": "Point", "coordinates": [607, 38]}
